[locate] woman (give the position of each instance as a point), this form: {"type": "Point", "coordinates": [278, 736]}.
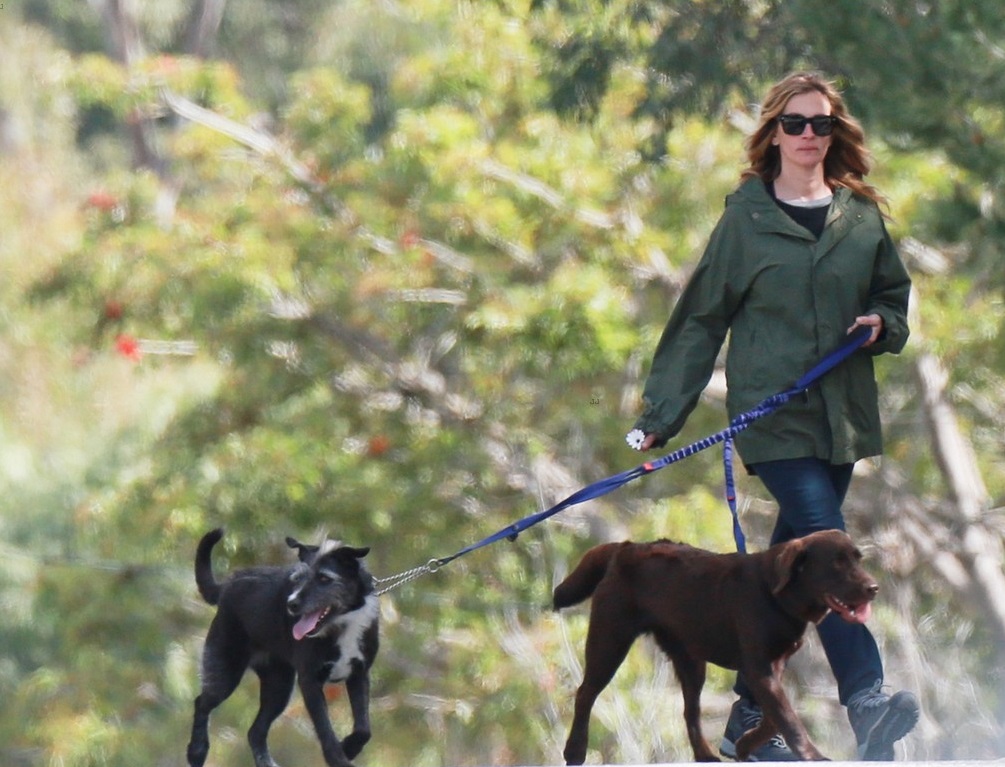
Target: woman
{"type": "Point", "coordinates": [799, 258]}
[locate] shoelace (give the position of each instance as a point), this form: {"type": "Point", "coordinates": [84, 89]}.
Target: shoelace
{"type": "Point", "coordinates": [752, 718]}
{"type": "Point", "coordinates": [872, 702]}
{"type": "Point", "coordinates": [869, 701]}
{"type": "Point", "coordinates": [778, 742]}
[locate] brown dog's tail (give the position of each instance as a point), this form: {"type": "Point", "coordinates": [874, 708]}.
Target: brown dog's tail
{"type": "Point", "coordinates": [204, 579]}
{"type": "Point", "coordinates": [581, 582]}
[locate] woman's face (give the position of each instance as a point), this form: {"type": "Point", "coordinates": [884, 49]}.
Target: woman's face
{"type": "Point", "coordinates": [807, 149]}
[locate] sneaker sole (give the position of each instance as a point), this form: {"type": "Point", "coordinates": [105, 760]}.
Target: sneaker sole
{"type": "Point", "coordinates": [901, 717]}
{"type": "Point", "coordinates": [728, 749]}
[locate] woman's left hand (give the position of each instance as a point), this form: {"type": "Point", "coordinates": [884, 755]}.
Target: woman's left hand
{"type": "Point", "coordinates": [874, 321]}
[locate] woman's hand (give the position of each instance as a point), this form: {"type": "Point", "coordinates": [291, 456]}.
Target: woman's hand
{"type": "Point", "coordinates": [639, 440]}
{"type": "Point", "coordinates": [873, 321]}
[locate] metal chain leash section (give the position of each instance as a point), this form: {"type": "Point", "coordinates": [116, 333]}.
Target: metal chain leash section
{"type": "Point", "coordinates": [401, 579]}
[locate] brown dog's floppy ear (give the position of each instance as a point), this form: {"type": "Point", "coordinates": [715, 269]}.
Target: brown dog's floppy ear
{"type": "Point", "coordinates": [788, 564]}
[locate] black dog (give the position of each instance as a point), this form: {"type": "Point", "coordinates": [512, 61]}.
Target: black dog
{"type": "Point", "coordinates": [314, 622]}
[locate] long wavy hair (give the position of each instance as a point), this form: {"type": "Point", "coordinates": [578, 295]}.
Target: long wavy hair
{"type": "Point", "coordinates": [847, 162]}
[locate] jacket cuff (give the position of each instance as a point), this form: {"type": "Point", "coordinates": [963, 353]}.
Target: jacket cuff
{"type": "Point", "coordinates": [891, 338]}
{"type": "Point", "coordinates": [651, 423]}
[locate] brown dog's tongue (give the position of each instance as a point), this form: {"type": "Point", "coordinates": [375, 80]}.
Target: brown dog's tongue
{"type": "Point", "coordinates": [859, 614]}
{"type": "Point", "coordinates": [306, 625]}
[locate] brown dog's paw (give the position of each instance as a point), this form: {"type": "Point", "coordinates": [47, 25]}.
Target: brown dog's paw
{"type": "Point", "coordinates": [574, 755]}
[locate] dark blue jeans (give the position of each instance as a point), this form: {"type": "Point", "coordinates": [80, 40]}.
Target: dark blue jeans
{"type": "Point", "coordinates": [809, 494]}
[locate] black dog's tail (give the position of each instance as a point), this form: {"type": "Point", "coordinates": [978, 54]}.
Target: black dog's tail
{"type": "Point", "coordinates": [581, 582]}
{"type": "Point", "coordinates": [204, 579]}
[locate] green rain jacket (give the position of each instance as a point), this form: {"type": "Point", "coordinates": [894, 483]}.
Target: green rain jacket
{"type": "Point", "coordinates": [786, 299]}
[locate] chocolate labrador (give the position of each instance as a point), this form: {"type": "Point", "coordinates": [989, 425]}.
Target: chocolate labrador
{"type": "Point", "coordinates": [746, 612]}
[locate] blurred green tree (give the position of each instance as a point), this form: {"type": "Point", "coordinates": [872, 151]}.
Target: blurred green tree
{"type": "Point", "coordinates": [413, 305]}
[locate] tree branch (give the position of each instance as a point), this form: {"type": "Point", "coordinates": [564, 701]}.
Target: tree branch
{"type": "Point", "coordinates": [980, 551]}
{"type": "Point", "coordinates": [207, 15]}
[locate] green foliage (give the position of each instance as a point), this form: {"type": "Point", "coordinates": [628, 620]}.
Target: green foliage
{"type": "Point", "coordinates": [437, 326]}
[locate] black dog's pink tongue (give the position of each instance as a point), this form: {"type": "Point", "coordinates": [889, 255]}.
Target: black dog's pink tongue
{"type": "Point", "coordinates": [306, 625]}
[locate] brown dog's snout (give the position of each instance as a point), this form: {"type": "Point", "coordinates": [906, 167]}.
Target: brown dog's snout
{"type": "Point", "coordinates": [873, 589]}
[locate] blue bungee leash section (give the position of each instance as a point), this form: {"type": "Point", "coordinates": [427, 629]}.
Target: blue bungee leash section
{"type": "Point", "coordinates": [854, 341]}
{"type": "Point", "coordinates": [604, 486]}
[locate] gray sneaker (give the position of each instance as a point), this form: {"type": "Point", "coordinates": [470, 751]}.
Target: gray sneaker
{"type": "Point", "coordinates": [746, 715]}
{"type": "Point", "coordinates": [880, 720]}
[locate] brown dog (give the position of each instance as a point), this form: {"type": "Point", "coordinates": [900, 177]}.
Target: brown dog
{"type": "Point", "coordinates": [740, 611]}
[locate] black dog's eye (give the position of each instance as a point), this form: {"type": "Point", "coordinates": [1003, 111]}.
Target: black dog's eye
{"type": "Point", "coordinates": [324, 579]}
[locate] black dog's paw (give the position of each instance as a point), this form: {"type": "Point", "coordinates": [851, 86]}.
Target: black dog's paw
{"type": "Point", "coordinates": [354, 743]}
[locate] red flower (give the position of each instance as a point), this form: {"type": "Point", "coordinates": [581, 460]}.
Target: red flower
{"type": "Point", "coordinates": [128, 347]}
{"type": "Point", "coordinates": [102, 200]}
{"type": "Point", "coordinates": [378, 445]}
{"type": "Point", "coordinates": [165, 65]}
{"type": "Point", "coordinates": [410, 238]}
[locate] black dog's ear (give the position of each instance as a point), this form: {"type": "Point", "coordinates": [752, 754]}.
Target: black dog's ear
{"type": "Point", "coordinates": [305, 552]}
{"type": "Point", "coordinates": [354, 552]}
{"type": "Point", "coordinates": [350, 556]}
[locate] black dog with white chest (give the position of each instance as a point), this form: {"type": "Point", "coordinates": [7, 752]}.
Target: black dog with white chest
{"type": "Point", "coordinates": [312, 623]}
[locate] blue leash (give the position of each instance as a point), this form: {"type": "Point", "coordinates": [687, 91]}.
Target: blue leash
{"type": "Point", "coordinates": [738, 424]}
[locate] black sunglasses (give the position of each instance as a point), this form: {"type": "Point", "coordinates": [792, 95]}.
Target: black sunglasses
{"type": "Point", "coordinates": [794, 125]}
